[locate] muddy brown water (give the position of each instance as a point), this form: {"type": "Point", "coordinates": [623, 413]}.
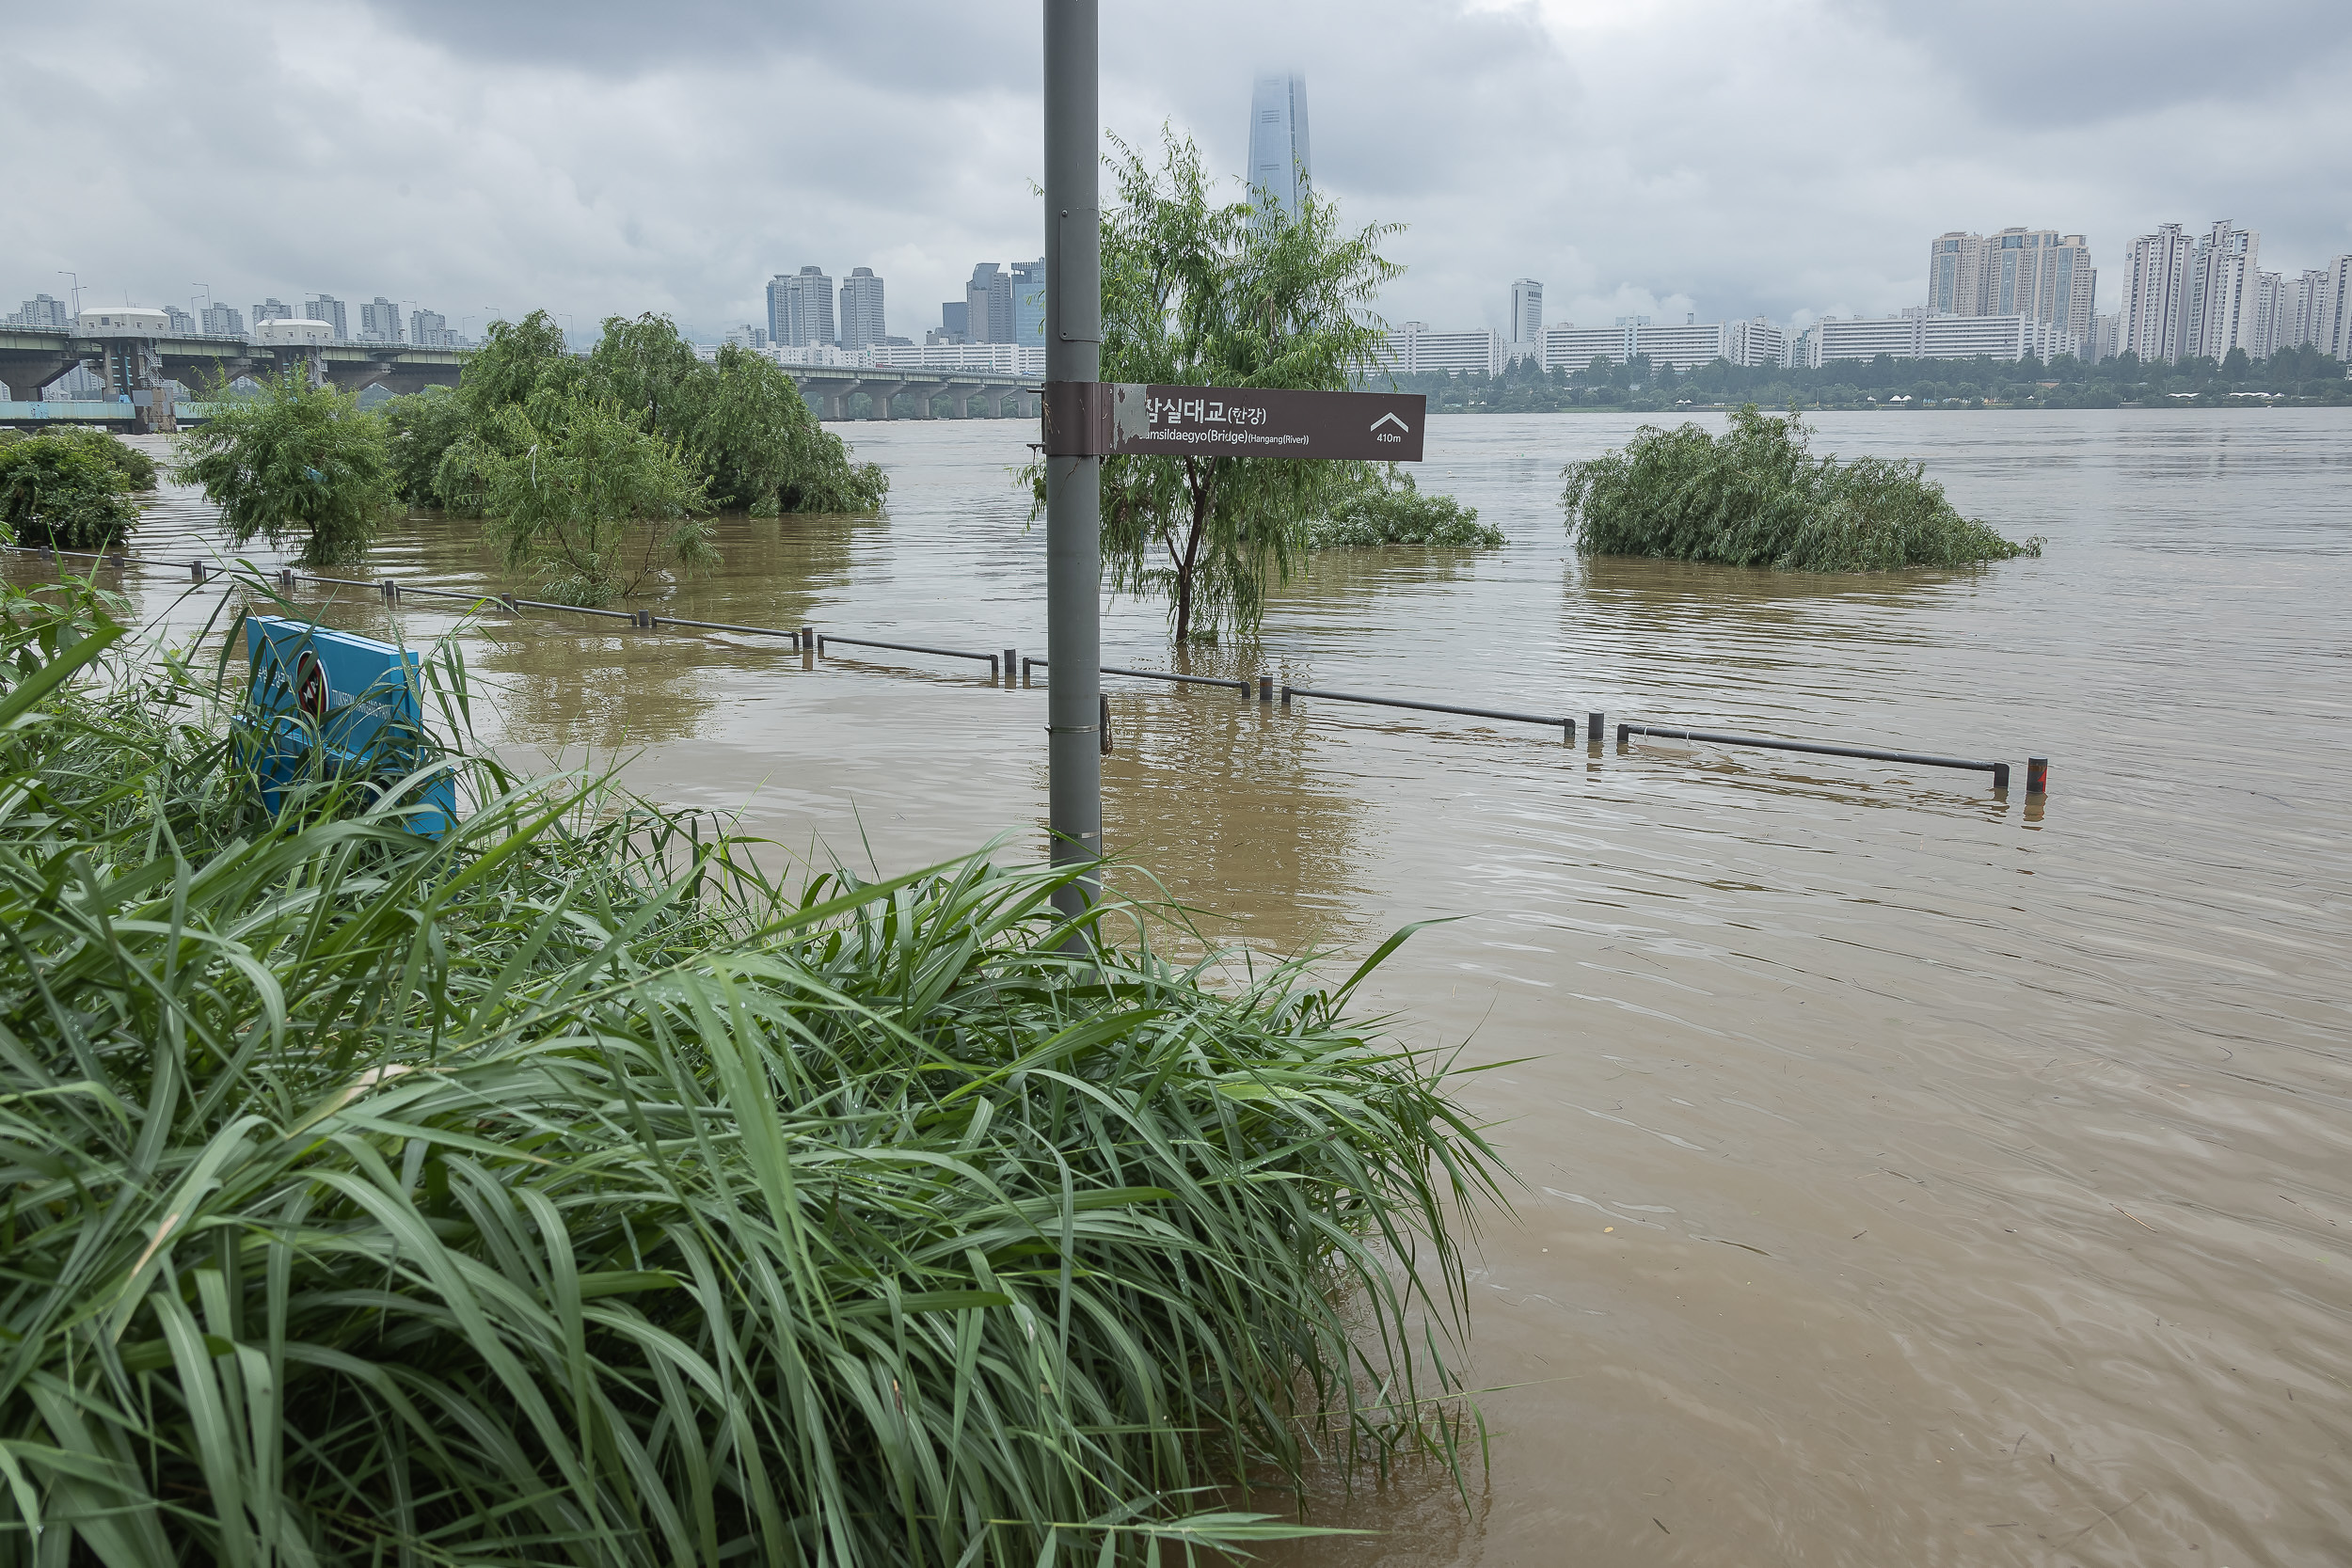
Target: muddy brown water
{"type": "Point", "coordinates": [1909, 1177]}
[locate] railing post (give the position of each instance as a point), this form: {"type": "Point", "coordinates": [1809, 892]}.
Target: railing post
{"type": "Point", "coordinates": [1265, 688]}
{"type": "Point", "coordinates": [1593, 728]}
{"type": "Point", "coordinates": [2037, 775]}
{"type": "Point", "coordinates": [1010, 665]}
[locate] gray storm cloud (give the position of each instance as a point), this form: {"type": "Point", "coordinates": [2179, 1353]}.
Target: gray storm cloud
{"type": "Point", "coordinates": [593, 158]}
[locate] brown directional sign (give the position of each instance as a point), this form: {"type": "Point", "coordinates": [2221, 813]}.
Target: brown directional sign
{"type": "Point", "coordinates": [1124, 418]}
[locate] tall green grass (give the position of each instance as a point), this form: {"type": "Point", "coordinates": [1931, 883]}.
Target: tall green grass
{"type": "Point", "coordinates": [571, 1191]}
{"type": "Point", "coordinates": [1756, 496]}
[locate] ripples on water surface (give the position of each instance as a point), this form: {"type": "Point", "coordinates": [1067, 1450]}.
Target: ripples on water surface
{"type": "Point", "coordinates": [1907, 1181]}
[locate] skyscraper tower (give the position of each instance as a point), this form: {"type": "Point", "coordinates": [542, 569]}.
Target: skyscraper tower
{"type": "Point", "coordinates": [1527, 314]}
{"type": "Point", "coordinates": [1279, 170]}
{"type": "Point", "coordinates": [860, 309]}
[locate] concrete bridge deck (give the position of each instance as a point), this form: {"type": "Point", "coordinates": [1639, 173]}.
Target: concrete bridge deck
{"type": "Point", "coordinates": [31, 358]}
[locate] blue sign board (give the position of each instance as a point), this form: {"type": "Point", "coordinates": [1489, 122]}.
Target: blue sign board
{"type": "Point", "coordinates": [327, 703]}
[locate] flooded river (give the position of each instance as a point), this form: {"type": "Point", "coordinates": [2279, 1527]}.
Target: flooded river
{"type": "Point", "coordinates": [1909, 1178]}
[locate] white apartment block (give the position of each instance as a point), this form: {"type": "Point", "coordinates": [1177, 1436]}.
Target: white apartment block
{"type": "Point", "coordinates": [1414, 349]}
{"type": "Point", "coordinates": [1757, 342]}
{"type": "Point", "coordinates": [991, 358]}
{"type": "Point", "coordinates": [1571, 347]}
{"type": "Point", "coordinates": [1916, 334]}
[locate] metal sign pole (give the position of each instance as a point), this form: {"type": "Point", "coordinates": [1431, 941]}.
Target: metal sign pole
{"type": "Point", "coordinates": [1074, 468]}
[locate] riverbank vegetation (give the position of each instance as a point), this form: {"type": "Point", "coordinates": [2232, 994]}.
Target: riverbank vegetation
{"type": "Point", "coordinates": [1756, 496]}
{"type": "Point", "coordinates": [569, 1190]}
{"type": "Point", "coordinates": [70, 487]}
{"type": "Point", "coordinates": [2301, 377]}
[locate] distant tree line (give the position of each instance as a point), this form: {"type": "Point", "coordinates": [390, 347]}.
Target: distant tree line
{"type": "Point", "coordinates": [2302, 377]}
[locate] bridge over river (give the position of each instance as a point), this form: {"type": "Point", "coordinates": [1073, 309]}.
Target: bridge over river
{"type": "Point", "coordinates": [133, 368]}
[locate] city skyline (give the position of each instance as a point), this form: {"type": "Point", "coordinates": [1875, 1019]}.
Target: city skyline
{"type": "Point", "coordinates": [564, 160]}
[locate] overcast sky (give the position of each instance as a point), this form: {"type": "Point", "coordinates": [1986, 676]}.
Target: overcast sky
{"type": "Point", "coordinates": [1791, 159]}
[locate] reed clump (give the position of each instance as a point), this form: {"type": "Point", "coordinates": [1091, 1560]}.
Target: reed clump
{"type": "Point", "coordinates": [1756, 496]}
{"type": "Point", "coordinates": [569, 1190]}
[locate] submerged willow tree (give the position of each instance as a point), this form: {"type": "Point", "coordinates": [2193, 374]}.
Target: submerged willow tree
{"type": "Point", "coordinates": [1756, 496]}
{"type": "Point", "coordinates": [297, 461]}
{"type": "Point", "coordinates": [1201, 293]}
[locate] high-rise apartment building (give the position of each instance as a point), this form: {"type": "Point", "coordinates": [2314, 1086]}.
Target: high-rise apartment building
{"type": "Point", "coordinates": [327, 309]}
{"type": "Point", "coordinates": [2272, 304]}
{"type": "Point", "coordinates": [1527, 317]}
{"type": "Point", "coordinates": [988, 305]}
{"type": "Point", "coordinates": [1279, 168]}
{"type": "Point", "coordinates": [2107, 337]}
{"type": "Point", "coordinates": [2223, 283]}
{"type": "Point", "coordinates": [223, 321]}
{"type": "Point", "coordinates": [860, 309]}
{"type": "Point", "coordinates": [428, 329]}
{"type": "Point", "coordinates": [1956, 273]}
{"type": "Point", "coordinates": [1028, 303]}
{"type": "Point", "coordinates": [2037, 273]}
{"type": "Point", "coordinates": [2156, 295]}
{"type": "Point", "coordinates": [181, 323]}
{"type": "Point", "coordinates": [379, 321]}
{"type": "Point", "coordinates": [2332, 309]}
{"type": "Point", "coordinates": [46, 314]}
{"type": "Point", "coordinates": [272, 310]}
{"type": "Point", "coordinates": [800, 308]}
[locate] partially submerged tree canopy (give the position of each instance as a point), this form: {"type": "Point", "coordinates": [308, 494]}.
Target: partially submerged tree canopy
{"type": "Point", "coordinates": [1198, 292]}
{"type": "Point", "coordinates": [577, 488]}
{"type": "Point", "coordinates": [738, 423]}
{"type": "Point", "coordinates": [1756, 496]}
{"type": "Point", "coordinates": [70, 487]}
{"type": "Point", "coordinates": [295, 460]}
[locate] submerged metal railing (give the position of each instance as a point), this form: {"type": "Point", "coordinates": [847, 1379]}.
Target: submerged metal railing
{"type": "Point", "coordinates": [1168, 675]}
{"type": "Point", "coordinates": [1717, 737]}
{"type": "Point", "coordinates": [1001, 666]}
{"type": "Point", "coordinates": [1567, 726]}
